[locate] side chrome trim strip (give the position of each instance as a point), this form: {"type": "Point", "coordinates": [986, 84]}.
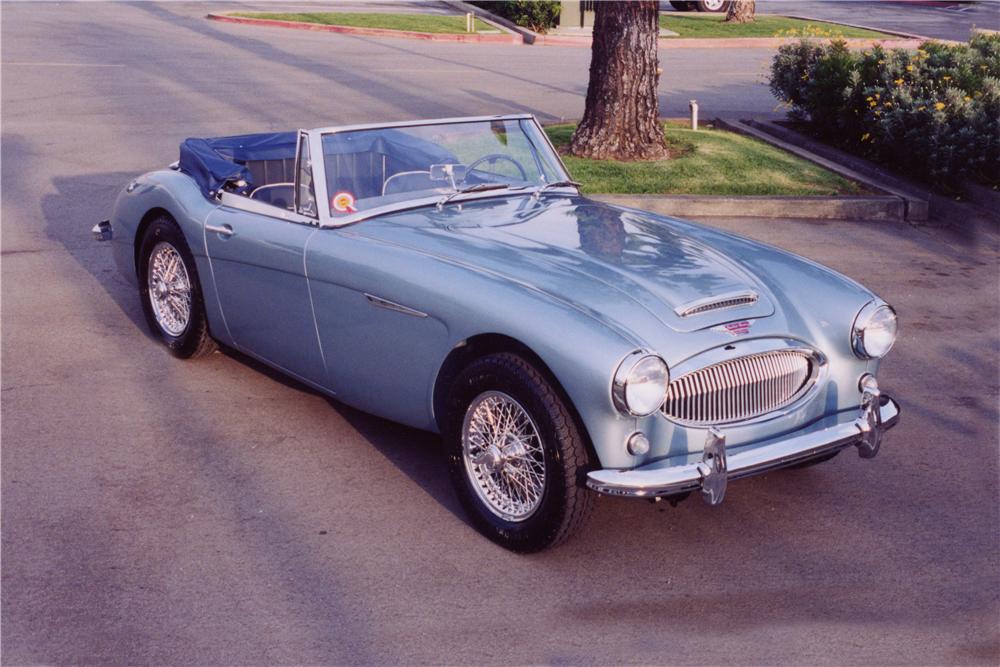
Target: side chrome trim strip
{"type": "Point", "coordinates": [392, 305]}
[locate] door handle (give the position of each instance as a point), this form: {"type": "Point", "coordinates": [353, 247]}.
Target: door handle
{"type": "Point", "coordinates": [225, 230]}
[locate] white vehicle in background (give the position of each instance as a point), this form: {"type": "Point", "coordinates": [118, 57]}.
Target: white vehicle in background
{"type": "Point", "coordinates": [701, 5]}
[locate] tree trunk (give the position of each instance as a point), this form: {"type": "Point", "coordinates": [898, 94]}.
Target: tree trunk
{"type": "Point", "coordinates": [741, 11]}
{"type": "Point", "coordinates": [621, 118]}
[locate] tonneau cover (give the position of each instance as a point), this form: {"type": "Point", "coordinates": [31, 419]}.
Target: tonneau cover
{"type": "Point", "coordinates": [213, 162]}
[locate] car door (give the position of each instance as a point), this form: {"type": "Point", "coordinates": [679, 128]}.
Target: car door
{"type": "Point", "coordinates": [382, 352]}
{"type": "Point", "coordinates": [257, 257]}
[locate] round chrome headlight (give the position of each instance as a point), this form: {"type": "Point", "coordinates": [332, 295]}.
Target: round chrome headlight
{"type": "Point", "coordinates": [640, 385]}
{"type": "Point", "coordinates": [874, 331]}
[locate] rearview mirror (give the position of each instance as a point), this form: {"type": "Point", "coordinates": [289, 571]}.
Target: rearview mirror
{"type": "Point", "coordinates": [448, 172]}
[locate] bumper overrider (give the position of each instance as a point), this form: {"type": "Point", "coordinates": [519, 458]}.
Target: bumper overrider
{"type": "Point", "coordinates": [711, 474]}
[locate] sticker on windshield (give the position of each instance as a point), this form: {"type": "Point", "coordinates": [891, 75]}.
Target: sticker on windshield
{"type": "Point", "coordinates": [343, 202]}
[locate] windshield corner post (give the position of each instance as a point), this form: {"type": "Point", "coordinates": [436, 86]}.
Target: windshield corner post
{"type": "Point", "coordinates": [319, 178]}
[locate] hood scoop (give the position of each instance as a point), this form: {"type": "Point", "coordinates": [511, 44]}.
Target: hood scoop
{"type": "Point", "coordinates": [719, 302]}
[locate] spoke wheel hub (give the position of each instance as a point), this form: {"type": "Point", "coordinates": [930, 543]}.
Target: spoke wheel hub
{"type": "Point", "coordinates": [169, 289]}
{"type": "Point", "coordinates": [504, 457]}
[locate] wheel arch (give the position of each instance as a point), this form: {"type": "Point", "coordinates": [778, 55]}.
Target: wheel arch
{"type": "Point", "coordinates": [140, 231]}
{"type": "Point", "coordinates": [481, 345]}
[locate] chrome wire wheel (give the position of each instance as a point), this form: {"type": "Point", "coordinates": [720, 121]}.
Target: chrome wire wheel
{"type": "Point", "coordinates": [504, 457]}
{"type": "Point", "coordinates": [169, 289]}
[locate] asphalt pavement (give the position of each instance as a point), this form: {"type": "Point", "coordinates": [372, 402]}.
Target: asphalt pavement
{"type": "Point", "coordinates": [157, 511]}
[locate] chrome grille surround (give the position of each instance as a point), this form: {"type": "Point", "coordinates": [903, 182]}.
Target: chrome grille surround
{"type": "Point", "coordinates": [742, 388]}
{"type": "Point", "coordinates": [720, 302]}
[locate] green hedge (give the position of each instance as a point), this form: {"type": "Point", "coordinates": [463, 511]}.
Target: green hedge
{"type": "Point", "coordinates": [537, 15]}
{"type": "Point", "coordinates": [933, 113]}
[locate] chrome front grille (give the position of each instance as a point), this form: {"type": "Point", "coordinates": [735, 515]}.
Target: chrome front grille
{"type": "Point", "coordinates": [740, 388]}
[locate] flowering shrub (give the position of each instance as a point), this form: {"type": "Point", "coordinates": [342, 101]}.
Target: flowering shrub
{"type": "Point", "coordinates": [812, 30]}
{"type": "Point", "coordinates": [933, 113]}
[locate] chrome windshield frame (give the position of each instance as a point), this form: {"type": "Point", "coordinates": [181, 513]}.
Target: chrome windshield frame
{"type": "Point", "coordinates": [326, 219]}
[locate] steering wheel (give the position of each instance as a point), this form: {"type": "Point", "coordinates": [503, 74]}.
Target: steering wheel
{"type": "Point", "coordinates": [496, 157]}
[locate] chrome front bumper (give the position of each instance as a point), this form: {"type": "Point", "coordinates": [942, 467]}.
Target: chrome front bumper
{"type": "Point", "coordinates": [710, 475]}
{"type": "Point", "coordinates": [102, 231]}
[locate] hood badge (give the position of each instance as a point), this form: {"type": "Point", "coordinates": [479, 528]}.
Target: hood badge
{"type": "Point", "coordinates": [734, 328]}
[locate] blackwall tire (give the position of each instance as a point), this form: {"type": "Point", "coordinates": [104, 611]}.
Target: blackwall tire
{"type": "Point", "coordinates": [522, 485]}
{"type": "Point", "coordinates": [170, 291]}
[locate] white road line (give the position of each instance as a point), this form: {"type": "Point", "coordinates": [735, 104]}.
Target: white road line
{"type": "Point", "coordinates": [423, 70]}
{"type": "Point", "coordinates": [44, 64]}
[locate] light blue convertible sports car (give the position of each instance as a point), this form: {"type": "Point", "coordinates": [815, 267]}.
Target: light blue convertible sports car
{"type": "Point", "coordinates": [448, 275]}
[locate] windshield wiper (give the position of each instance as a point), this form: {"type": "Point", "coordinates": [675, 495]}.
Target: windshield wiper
{"type": "Point", "coordinates": [556, 184]}
{"type": "Point", "coordinates": [478, 187]}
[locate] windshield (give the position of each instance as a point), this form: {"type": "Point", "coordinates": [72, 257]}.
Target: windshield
{"type": "Point", "coordinates": [367, 169]}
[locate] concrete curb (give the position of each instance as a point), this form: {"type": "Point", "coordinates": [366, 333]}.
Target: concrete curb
{"type": "Point", "coordinates": [505, 38]}
{"type": "Point", "coordinates": [915, 202]}
{"type": "Point", "coordinates": [982, 202]}
{"type": "Point", "coordinates": [875, 208]}
{"type": "Point", "coordinates": [907, 35]}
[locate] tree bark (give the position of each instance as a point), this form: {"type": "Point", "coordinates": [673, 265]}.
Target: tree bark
{"type": "Point", "coordinates": [621, 118]}
{"type": "Point", "coordinates": [741, 11]}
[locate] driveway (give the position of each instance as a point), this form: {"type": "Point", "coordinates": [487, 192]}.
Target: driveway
{"type": "Point", "coordinates": [163, 512]}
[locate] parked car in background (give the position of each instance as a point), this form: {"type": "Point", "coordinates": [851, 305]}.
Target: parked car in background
{"type": "Point", "coordinates": [448, 275]}
{"type": "Point", "coordinates": [701, 5]}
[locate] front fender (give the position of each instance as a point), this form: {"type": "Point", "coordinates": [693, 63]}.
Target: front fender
{"type": "Point", "coordinates": [166, 190]}
{"type": "Point", "coordinates": [177, 195]}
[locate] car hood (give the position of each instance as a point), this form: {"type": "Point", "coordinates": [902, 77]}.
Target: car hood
{"type": "Point", "coordinates": [617, 263]}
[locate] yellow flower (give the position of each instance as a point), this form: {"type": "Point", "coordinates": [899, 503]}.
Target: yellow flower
{"type": "Point", "coordinates": [939, 105]}
{"type": "Point", "coordinates": [888, 104]}
{"type": "Point", "coordinates": [921, 108]}
{"type": "Point", "coordinates": [865, 137]}
{"type": "Point", "coordinates": [876, 96]}
{"type": "Point", "coordinates": [898, 82]}
{"type": "Point", "coordinates": [946, 78]}
{"type": "Point", "coordinates": [868, 99]}
{"type": "Point", "coordinates": [909, 68]}
{"type": "Point", "coordinates": [967, 98]}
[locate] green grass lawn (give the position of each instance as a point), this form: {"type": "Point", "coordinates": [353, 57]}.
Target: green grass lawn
{"type": "Point", "coordinates": [706, 162]}
{"type": "Point", "coordinates": [711, 25]}
{"type": "Point", "coordinates": [434, 23]}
